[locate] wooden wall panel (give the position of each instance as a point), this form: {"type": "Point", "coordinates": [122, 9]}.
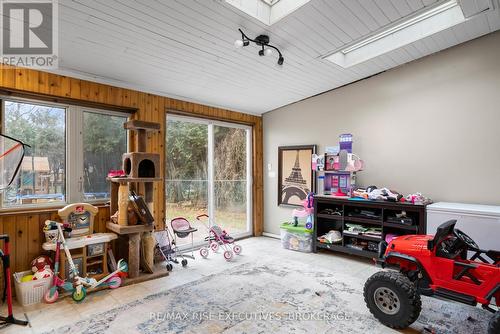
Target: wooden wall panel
{"type": "Point", "coordinates": [21, 249]}
{"type": "Point", "coordinates": [258, 176]}
{"type": "Point", "coordinates": [27, 237]}
{"type": "Point", "coordinates": [22, 226]}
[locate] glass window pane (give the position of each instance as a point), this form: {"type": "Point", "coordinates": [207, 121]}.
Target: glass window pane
{"type": "Point", "coordinates": [186, 182]}
{"type": "Point", "coordinates": [42, 176]}
{"type": "Point", "coordinates": [230, 178]}
{"type": "Point", "coordinates": [104, 142]}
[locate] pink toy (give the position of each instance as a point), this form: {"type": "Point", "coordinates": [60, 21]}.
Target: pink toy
{"type": "Point", "coordinates": [40, 263]}
{"type": "Point", "coordinates": [417, 198]}
{"type": "Point", "coordinates": [389, 237]}
{"type": "Point", "coordinates": [43, 273]}
{"type": "Point", "coordinates": [75, 284]}
{"type": "Point", "coordinates": [116, 173]}
{"type": "Point", "coordinates": [218, 237]}
{"type": "Point", "coordinates": [307, 211]}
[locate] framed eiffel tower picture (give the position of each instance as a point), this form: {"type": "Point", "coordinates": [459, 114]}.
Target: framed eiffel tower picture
{"type": "Point", "coordinates": [295, 175]}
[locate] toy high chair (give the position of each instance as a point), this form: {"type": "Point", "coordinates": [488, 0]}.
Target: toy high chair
{"type": "Point", "coordinates": [183, 229]}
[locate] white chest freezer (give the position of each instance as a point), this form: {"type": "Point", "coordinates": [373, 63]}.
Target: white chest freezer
{"type": "Point", "coordinates": [480, 222]}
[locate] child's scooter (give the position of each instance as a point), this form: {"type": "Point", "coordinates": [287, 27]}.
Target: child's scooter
{"type": "Point", "coordinates": [53, 293]}
{"type": "Point", "coordinates": [80, 285]}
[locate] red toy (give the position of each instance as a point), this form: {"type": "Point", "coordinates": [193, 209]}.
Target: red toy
{"type": "Point", "coordinates": [438, 266]}
{"type": "Point", "coordinates": [5, 258]}
{"type": "Point", "coordinates": [40, 263]}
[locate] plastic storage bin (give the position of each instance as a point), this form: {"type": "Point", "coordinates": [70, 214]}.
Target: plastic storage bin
{"type": "Point", "coordinates": [32, 292]}
{"type": "Point", "coordinates": [296, 238]}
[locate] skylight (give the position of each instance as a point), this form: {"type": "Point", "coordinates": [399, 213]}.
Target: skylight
{"type": "Point", "coordinates": [271, 2]}
{"type": "Point", "coordinates": [431, 20]}
{"type": "Point", "coordinates": [267, 11]}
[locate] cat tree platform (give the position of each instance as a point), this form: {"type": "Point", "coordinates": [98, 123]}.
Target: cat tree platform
{"type": "Point", "coordinates": [133, 233]}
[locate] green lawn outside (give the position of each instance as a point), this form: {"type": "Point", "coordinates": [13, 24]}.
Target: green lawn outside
{"type": "Point", "coordinates": [233, 221]}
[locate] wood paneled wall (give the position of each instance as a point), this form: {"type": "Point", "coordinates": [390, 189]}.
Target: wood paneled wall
{"type": "Point", "coordinates": [26, 226]}
{"type": "Point", "coordinates": [27, 237]}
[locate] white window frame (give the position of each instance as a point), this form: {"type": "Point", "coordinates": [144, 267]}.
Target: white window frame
{"type": "Point", "coordinates": [74, 164]}
{"type": "Point", "coordinates": [210, 169]}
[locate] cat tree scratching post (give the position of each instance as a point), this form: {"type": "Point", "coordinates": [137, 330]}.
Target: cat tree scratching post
{"type": "Point", "coordinates": [123, 191]}
{"type": "Point", "coordinates": [141, 168]}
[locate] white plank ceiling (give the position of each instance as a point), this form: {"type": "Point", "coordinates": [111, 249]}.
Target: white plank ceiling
{"type": "Point", "coordinates": [184, 48]}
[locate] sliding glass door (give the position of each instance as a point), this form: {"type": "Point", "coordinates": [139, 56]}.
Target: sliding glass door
{"type": "Point", "coordinates": [231, 189]}
{"type": "Point", "coordinates": [208, 171]}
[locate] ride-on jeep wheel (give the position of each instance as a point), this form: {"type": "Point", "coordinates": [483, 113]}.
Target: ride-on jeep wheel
{"type": "Point", "coordinates": [494, 325]}
{"type": "Point", "coordinates": [392, 299]}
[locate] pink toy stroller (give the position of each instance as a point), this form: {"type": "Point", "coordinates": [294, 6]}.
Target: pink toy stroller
{"type": "Point", "coordinates": [218, 238]}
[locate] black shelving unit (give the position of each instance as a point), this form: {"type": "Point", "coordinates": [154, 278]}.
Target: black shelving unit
{"type": "Point", "coordinates": [325, 222]}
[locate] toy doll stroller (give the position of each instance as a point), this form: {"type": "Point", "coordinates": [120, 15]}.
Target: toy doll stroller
{"type": "Point", "coordinates": [218, 238]}
{"type": "Point", "coordinates": [166, 249]}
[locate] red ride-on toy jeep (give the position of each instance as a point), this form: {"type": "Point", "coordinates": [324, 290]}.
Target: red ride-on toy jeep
{"type": "Point", "coordinates": [449, 265]}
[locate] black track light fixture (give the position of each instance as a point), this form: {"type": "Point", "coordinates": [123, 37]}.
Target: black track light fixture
{"type": "Point", "coordinates": [263, 42]}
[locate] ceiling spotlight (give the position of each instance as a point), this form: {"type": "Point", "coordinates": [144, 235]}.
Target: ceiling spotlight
{"type": "Point", "coordinates": [265, 51]}
{"type": "Point", "coordinates": [261, 40]}
{"type": "Point", "coordinates": [241, 42]}
{"type": "Point", "coordinates": [238, 43]}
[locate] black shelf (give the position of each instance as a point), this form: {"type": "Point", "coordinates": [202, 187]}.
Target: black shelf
{"type": "Point", "coordinates": [323, 222]}
{"type": "Point", "coordinates": [401, 226]}
{"type": "Point", "coordinates": [329, 246]}
{"type": "Point", "coordinates": [359, 252]}
{"type": "Point", "coordinates": [347, 250]}
{"type": "Point", "coordinates": [331, 217]}
{"type": "Point", "coordinates": [363, 220]}
{"type": "Point", "coordinates": [362, 236]}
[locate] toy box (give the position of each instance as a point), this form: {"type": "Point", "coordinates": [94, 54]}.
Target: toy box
{"type": "Point", "coordinates": [297, 238]}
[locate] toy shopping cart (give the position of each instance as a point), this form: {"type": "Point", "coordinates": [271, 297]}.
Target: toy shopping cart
{"type": "Point", "coordinates": [216, 238]}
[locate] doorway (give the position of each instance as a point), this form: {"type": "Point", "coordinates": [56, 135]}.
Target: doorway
{"type": "Point", "coordinates": [208, 170]}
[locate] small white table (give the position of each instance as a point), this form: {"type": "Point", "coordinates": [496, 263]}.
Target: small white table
{"type": "Point", "coordinates": [79, 242]}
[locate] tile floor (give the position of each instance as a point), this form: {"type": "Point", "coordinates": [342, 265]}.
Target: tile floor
{"type": "Point", "coordinates": [45, 317]}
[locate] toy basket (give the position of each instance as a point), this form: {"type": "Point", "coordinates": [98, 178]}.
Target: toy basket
{"type": "Point", "coordinates": [51, 236]}
{"type": "Point", "coordinates": [31, 292]}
